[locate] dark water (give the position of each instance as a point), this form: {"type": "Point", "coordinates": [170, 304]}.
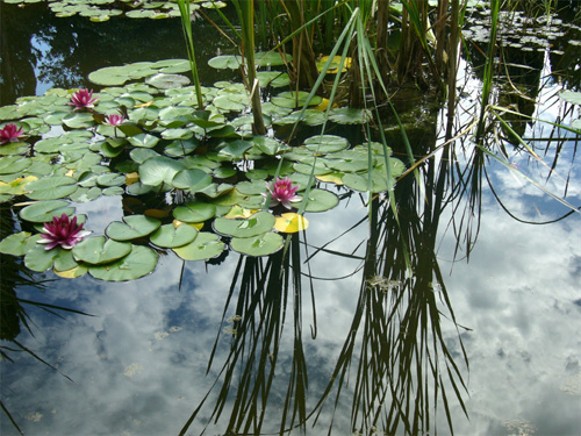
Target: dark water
{"type": "Point", "coordinates": [138, 365]}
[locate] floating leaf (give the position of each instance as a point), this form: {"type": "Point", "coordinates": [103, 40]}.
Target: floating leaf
{"type": "Point", "coordinates": [140, 262]}
{"type": "Point", "coordinates": [326, 143]}
{"type": "Point", "coordinates": [571, 96]}
{"type": "Point", "coordinates": [195, 212]}
{"type": "Point", "coordinates": [98, 250]}
{"type": "Point", "coordinates": [144, 140]}
{"type": "Point", "coordinates": [73, 273]}
{"type": "Point", "coordinates": [193, 180]}
{"type": "Point", "coordinates": [257, 224]}
{"type": "Point", "coordinates": [166, 81]}
{"type": "Point", "coordinates": [333, 67]}
{"type": "Point", "coordinates": [158, 170]}
{"type": "Point", "coordinates": [320, 200]}
{"type": "Point", "coordinates": [171, 236]}
{"type": "Point", "coordinates": [295, 99]}
{"type": "Point", "coordinates": [260, 245]}
{"type": "Point", "coordinates": [44, 211]}
{"type": "Point", "coordinates": [13, 164]}
{"type": "Point", "coordinates": [291, 223]}
{"type": "Point", "coordinates": [51, 188]}
{"type": "Point", "coordinates": [205, 246]}
{"type": "Point", "coordinates": [38, 259]}
{"type": "Point", "coordinates": [16, 244]}
{"type": "Point", "coordinates": [132, 227]}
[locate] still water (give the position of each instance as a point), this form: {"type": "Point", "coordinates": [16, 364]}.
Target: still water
{"type": "Point", "coordinates": [137, 364]}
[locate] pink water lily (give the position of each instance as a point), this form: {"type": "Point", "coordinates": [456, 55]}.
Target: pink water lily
{"type": "Point", "coordinates": [62, 231]}
{"type": "Point", "coordinates": [283, 192]}
{"type": "Point", "coordinates": [83, 99]}
{"type": "Point", "coordinates": [10, 133]}
{"type": "Point", "coordinates": [114, 120]}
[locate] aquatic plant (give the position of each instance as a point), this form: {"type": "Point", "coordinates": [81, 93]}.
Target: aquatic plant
{"type": "Point", "coordinates": [283, 191]}
{"type": "Point", "coordinates": [83, 99]}
{"type": "Point", "coordinates": [10, 133]}
{"type": "Point", "coordinates": [62, 232]}
{"type": "Point", "coordinates": [114, 120]}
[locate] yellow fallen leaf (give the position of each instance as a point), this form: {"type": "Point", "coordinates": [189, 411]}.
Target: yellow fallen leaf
{"type": "Point", "coordinates": [131, 178]}
{"type": "Point", "coordinates": [291, 223]}
{"type": "Point", "coordinates": [197, 226]}
{"type": "Point", "coordinates": [73, 273]}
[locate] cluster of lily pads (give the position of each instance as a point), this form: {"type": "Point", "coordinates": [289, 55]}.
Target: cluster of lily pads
{"type": "Point", "coordinates": [198, 180]}
{"type": "Point", "coordinates": [103, 10]}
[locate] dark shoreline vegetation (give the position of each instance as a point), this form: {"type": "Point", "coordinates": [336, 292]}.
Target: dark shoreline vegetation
{"type": "Point", "coordinates": [234, 126]}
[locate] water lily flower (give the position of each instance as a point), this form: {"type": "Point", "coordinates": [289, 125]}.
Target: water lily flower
{"type": "Point", "coordinates": [283, 192]}
{"type": "Point", "coordinates": [114, 120]}
{"type": "Point", "coordinates": [83, 99]}
{"type": "Point", "coordinates": [10, 133]}
{"type": "Point", "coordinates": [62, 231]}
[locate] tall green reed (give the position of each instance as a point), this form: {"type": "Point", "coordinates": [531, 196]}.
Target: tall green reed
{"type": "Point", "coordinates": [185, 17]}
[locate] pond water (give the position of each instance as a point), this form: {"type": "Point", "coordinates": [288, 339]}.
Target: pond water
{"type": "Point", "coordinates": [137, 362]}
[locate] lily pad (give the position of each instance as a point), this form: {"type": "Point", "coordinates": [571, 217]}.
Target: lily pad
{"type": "Point", "coordinates": [295, 99]}
{"type": "Point", "coordinates": [13, 164]}
{"type": "Point", "coordinates": [51, 188]}
{"type": "Point", "coordinates": [291, 223]}
{"type": "Point", "coordinates": [16, 244]}
{"type": "Point", "coordinates": [140, 262]}
{"type": "Point", "coordinates": [195, 212]}
{"type": "Point", "coordinates": [257, 224]}
{"type": "Point", "coordinates": [171, 236]}
{"type": "Point", "coordinates": [44, 211]}
{"type": "Point", "coordinates": [166, 81]}
{"type": "Point", "coordinates": [260, 245]}
{"type": "Point", "coordinates": [321, 200]}
{"type": "Point", "coordinates": [158, 170]}
{"type": "Point", "coordinates": [205, 246]}
{"type": "Point", "coordinates": [98, 250]}
{"type": "Point", "coordinates": [193, 180]}
{"type": "Point", "coordinates": [38, 259]}
{"type": "Point", "coordinates": [326, 143]}
{"type": "Point", "coordinates": [132, 227]}
{"type": "Point", "coordinates": [144, 140]}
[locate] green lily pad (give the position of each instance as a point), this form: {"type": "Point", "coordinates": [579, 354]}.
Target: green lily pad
{"type": "Point", "coordinates": [51, 188]}
{"type": "Point", "coordinates": [194, 212]}
{"type": "Point", "coordinates": [326, 143]}
{"type": "Point", "coordinates": [166, 81]}
{"type": "Point", "coordinates": [98, 250]}
{"type": "Point", "coordinates": [260, 245]}
{"type": "Point", "coordinates": [257, 224]}
{"type": "Point", "coordinates": [13, 164]}
{"type": "Point", "coordinates": [235, 149]}
{"type": "Point", "coordinates": [205, 246]}
{"type": "Point", "coordinates": [222, 62]}
{"type": "Point", "coordinates": [144, 140]}
{"type": "Point", "coordinates": [349, 115]}
{"type": "Point", "coordinates": [320, 200]}
{"type": "Point", "coordinates": [170, 236]}
{"type": "Point", "coordinates": [16, 244]}
{"type": "Point", "coordinates": [132, 227]}
{"type": "Point", "coordinates": [181, 148]}
{"type": "Point", "coordinates": [276, 79]}
{"type": "Point", "coordinates": [64, 260]}
{"type": "Point", "coordinates": [193, 180]}
{"type": "Point", "coordinates": [44, 211]}
{"type": "Point", "coordinates": [79, 120]}
{"type": "Point", "coordinates": [38, 259]}
{"type": "Point", "coordinates": [571, 96]}
{"type": "Point", "coordinates": [295, 99]}
{"type": "Point", "coordinates": [140, 262]}
{"type": "Point", "coordinates": [158, 170]}
{"type": "Point", "coordinates": [360, 182]}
